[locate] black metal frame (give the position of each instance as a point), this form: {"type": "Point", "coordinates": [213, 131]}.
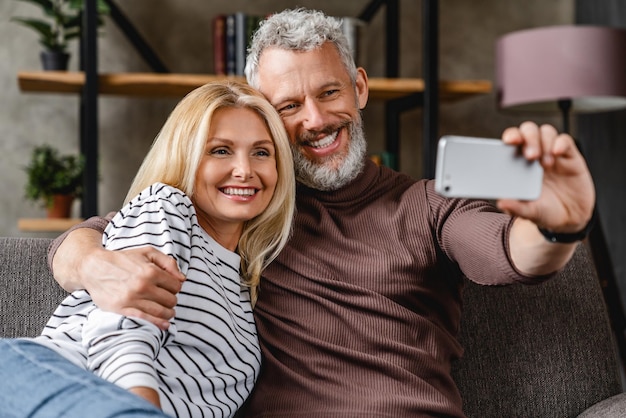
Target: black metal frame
{"type": "Point", "coordinates": [429, 99]}
{"type": "Point", "coordinates": [140, 45]}
{"type": "Point", "coordinates": [89, 108]}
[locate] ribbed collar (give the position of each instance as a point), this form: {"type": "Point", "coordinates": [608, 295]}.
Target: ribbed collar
{"type": "Point", "coordinates": [357, 189]}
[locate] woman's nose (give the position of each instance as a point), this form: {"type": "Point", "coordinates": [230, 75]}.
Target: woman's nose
{"type": "Point", "coordinates": [242, 168]}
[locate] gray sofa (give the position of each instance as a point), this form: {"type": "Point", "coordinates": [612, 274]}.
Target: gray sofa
{"type": "Point", "coordinates": [530, 351]}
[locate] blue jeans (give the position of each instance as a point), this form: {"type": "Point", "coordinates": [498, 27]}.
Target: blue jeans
{"type": "Point", "coordinates": [37, 382]}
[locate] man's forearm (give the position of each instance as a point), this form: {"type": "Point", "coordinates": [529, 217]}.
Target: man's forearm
{"type": "Point", "coordinates": [67, 251]}
{"type": "Point", "coordinates": [66, 262]}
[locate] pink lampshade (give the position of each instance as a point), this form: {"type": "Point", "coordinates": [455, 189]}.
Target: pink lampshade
{"type": "Point", "coordinates": [586, 64]}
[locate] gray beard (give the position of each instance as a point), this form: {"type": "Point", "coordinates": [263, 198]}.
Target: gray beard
{"type": "Point", "coordinates": [335, 171]}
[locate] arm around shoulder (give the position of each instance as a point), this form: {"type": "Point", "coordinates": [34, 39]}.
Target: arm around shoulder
{"type": "Point", "coordinates": [141, 282]}
{"type": "Point", "coordinates": [68, 252]}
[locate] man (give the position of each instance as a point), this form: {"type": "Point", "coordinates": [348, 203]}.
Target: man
{"type": "Point", "coordinates": [358, 315]}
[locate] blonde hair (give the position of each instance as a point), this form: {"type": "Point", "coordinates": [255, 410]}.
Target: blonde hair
{"type": "Point", "coordinates": [176, 152]}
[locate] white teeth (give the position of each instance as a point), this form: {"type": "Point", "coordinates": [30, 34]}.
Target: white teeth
{"type": "Point", "coordinates": [239, 192]}
{"type": "Point", "coordinates": [324, 142]}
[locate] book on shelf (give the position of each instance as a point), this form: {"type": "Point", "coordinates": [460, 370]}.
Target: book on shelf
{"type": "Point", "coordinates": [231, 41]}
{"type": "Point", "coordinates": [240, 42]}
{"type": "Point", "coordinates": [354, 30]}
{"type": "Point", "coordinates": [229, 46]}
{"type": "Point", "coordinates": [233, 32]}
{"type": "Point", "coordinates": [219, 45]}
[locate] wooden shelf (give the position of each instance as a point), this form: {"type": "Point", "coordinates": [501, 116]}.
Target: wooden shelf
{"type": "Point", "coordinates": [177, 85]}
{"type": "Point", "coordinates": [47, 224]}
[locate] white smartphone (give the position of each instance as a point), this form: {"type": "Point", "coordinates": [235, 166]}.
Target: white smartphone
{"type": "Point", "coordinates": [482, 168]}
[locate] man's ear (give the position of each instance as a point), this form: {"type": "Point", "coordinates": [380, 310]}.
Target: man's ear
{"type": "Point", "coordinates": [362, 91]}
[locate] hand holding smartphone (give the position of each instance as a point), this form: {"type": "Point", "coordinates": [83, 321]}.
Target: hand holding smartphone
{"type": "Point", "coordinates": [482, 168]}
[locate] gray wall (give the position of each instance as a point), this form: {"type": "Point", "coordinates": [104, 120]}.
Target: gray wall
{"type": "Point", "coordinates": [180, 30]}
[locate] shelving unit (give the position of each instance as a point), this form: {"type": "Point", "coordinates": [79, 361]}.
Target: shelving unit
{"type": "Point", "coordinates": [177, 85]}
{"type": "Point", "coordinates": [47, 224]}
{"type": "Point", "coordinates": [399, 94]}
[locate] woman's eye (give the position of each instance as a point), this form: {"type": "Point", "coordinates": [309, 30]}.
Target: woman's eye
{"type": "Point", "coordinates": [262, 153]}
{"type": "Point", "coordinates": [219, 151]}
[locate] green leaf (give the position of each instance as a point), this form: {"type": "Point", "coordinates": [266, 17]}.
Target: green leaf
{"type": "Point", "coordinates": [50, 173]}
{"type": "Point", "coordinates": [65, 21]}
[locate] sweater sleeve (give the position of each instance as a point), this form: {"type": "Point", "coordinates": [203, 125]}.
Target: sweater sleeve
{"type": "Point", "coordinates": [122, 349]}
{"type": "Point", "coordinates": [96, 222]}
{"type": "Point", "coordinates": [475, 236]}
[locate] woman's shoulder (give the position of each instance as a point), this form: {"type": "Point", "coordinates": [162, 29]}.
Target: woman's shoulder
{"type": "Point", "coordinates": [159, 197]}
{"type": "Point", "coordinates": [161, 192]}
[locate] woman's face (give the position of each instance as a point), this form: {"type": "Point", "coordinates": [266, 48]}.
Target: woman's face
{"type": "Point", "coordinates": [237, 175]}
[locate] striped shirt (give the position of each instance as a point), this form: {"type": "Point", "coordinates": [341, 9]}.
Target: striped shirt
{"type": "Point", "coordinates": [208, 360]}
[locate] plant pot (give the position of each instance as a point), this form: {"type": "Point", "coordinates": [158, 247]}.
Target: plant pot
{"type": "Point", "coordinates": [61, 206]}
{"type": "Point", "coordinates": [54, 60]}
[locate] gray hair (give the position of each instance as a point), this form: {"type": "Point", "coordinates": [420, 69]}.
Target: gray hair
{"type": "Point", "coordinates": [297, 30]}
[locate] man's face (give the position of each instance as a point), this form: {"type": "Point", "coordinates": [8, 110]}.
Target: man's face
{"type": "Point", "coordinates": [320, 108]}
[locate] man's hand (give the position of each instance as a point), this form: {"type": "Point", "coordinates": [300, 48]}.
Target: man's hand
{"type": "Point", "coordinates": [142, 282]}
{"type": "Point", "coordinates": [565, 205]}
{"type": "Point", "coordinates": [568, 194]}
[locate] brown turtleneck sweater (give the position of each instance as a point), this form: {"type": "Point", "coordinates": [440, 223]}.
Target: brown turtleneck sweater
{"type": "Point", "coordinates": [358, 316]}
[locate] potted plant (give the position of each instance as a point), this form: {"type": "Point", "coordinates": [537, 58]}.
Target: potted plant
{"type": "Point", "coordinates": [54, 180]}
{"type": "Point", "coordinates": [63, 23]}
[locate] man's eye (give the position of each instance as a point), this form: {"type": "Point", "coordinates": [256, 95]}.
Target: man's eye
{"type": "Point", "coordinates": [287, 108]}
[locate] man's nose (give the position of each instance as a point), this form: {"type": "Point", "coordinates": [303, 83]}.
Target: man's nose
{"type": "Point", "coordinates": [313, 116]}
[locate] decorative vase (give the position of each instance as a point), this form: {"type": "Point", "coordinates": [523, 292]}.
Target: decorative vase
{"type": "Point", "coordinates": [61, 206]}
{"type": "Point", "coordinates": [54, 60]}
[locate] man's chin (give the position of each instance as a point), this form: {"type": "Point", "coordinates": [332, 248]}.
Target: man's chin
{"type": "Point", "coordinates": [330, 174]}
{"type": "Point", "coordinates": [335, 170]}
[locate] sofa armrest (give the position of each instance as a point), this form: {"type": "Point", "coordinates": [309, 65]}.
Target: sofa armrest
{"type": "Point", "coordinates": [613, 407]}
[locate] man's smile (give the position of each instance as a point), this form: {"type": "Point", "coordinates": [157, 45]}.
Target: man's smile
{"type": "Point", "coordinates": [323, 142]}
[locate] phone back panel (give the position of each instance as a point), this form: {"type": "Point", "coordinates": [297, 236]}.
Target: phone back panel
{"type": "Point", "coordinates": [485, 168]}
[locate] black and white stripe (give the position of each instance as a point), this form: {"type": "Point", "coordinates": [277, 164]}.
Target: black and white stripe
{"type": "Point", "coordinates": [207, 362]}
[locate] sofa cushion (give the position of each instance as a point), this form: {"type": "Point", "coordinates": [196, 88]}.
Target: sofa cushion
{"type": "Point", "coordinates": [532, 351]}
{"type": "Point", "coordinates": [28, 292]}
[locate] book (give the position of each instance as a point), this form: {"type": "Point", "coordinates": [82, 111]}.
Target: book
{"type": "Point", "coordinates": [230, 44]}
{"type": "Point", "coordinates": [219, 45]}
{"type": "Point", "coordinates": [238, 29]}
{"type": "Point", "coordinates": [240, 42]}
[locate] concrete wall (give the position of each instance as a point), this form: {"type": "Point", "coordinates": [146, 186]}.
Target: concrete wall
{"type": "Point", "coordinates": [180, 30]}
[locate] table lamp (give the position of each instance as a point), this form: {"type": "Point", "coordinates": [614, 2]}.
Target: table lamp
{"type": "Point", "coordinates": [572, 68]}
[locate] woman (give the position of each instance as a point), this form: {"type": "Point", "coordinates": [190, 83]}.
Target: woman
{"type": "Point", "coordinates": [216, 192]}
